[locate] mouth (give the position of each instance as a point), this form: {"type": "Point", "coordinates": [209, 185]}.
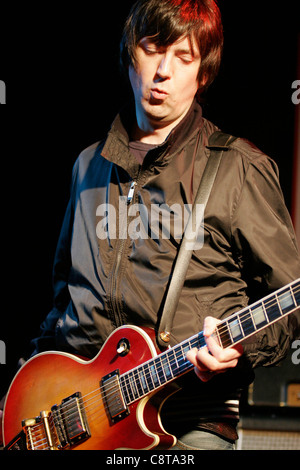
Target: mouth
{"type": "Point", "coordinates": [158, 94]}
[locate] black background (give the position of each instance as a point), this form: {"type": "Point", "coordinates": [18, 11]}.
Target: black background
{"type": "Point", "coordinates": [60, 66]}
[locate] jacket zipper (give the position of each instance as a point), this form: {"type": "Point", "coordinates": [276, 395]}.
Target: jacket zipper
{"type": "Point", "coordinates": [117, 315]}
{"type": "Point", "coordinates": [131, 192]}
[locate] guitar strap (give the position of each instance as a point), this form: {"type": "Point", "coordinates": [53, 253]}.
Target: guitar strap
{"type": "Point", "coordinates": [218, 143]}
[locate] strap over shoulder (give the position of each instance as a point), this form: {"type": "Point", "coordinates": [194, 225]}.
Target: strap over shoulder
{"type": "Point", "coordinates": [220, 141]}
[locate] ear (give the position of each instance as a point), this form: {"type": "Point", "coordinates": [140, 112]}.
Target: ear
{"type": "Point", "coordinates": [203, 81]}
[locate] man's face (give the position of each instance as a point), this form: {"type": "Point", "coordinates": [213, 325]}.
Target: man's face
{"type": "Point", "coordinates": [164, 81]}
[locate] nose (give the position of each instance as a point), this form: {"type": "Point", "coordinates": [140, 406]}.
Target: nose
{"type": "Point", "coordinates": [164, 70]}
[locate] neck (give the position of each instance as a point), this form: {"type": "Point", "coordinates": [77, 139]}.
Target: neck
{"type": "Point", "coordinates": [153, 132]}
{"type": "Point", "coordinates": [151, 136]}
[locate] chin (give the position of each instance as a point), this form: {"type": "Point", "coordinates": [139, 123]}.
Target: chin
{"type": "Point", "coordinates": [157, 112]}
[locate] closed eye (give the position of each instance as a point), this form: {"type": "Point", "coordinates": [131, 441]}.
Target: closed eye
{"type": "Point", "coordinates": [187, 59]}
{"type": "Point", "coordinates": [185, 55]}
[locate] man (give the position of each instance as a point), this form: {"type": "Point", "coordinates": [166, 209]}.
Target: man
{"type": "Point", "coordinates": [109, 273]}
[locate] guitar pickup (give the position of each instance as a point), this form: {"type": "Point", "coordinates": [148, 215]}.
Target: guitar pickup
{"type": "Point", "coordinates": [70, 421]}
{"type": "Point", "coordinates": [115, 405]}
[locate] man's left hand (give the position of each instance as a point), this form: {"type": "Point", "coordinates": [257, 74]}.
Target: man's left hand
{"type": "Point", "coordinates": [213, 359]}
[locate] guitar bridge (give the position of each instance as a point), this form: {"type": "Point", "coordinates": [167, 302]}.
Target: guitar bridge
{"type": "Point", "coordinates": [116, 408]}
{"type": "Point", "coordinates": [40, 432]}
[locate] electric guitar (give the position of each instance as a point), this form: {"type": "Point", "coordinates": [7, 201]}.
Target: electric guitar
{"type": "Point", "coordinates": [58, 401]}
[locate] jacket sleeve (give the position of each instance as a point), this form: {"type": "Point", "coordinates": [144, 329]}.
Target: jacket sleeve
{"type": "Point", "coordinates": [62, 264]}
{"type": "Point", "coordinates": [268, 256]}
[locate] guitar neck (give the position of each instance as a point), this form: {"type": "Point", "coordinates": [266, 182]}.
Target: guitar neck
{"type": "Point", "coordinates": [256, 317]}
{"type": "Point", "coordinates": [172, 363]}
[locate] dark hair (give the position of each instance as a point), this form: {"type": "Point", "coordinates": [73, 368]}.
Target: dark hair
{"type": "Point", "coordinates": [166, 21]}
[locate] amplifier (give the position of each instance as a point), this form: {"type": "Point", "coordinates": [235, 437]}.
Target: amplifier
{"type": "Point", "coordinates": [268, 428]}
{"type": "Point", "coordinates": [270, 416]}
{"type": "Point", "coordinates": [250, 439]}
{"type": "Point", "coordinates": [276, 386]}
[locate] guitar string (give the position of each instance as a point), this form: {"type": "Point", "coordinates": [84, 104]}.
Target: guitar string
{"type": "Point", "coordinates": [261, 306]}
{"type": "Point", "coordinates": [116, 390]}
{"type": "Point", "coordinates": [88, 409]}
{"type": "Point", "coordinates": [37, 441]}
{"type": "Point", "coordinates": [136, 381]}
{"type": "Point", "coordinates": [128, 382]}
{"type": "Point", "coordinates": [92, 416]}
{"type": "Point", "coordinates": [113, 390]}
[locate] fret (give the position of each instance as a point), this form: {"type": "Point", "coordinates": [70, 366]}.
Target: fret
{"type": "Point", "coordinates": [134, 385]}
{"type": "Point", "coordinates": [160, 370]}
{"type": "Point", "coordinates": [166, 367]}
{"type": "Point", "coordinates": [125, 390]}
{"type": "Point", "coordinates": [229, 332]}
{"type": "Point", "coordinates": [183, 362]}
{"type": "Point", "coordinates": [172, 362]}
{"type": "Point", "coordinates": [138, 383]}
{"type": "Point", "coordinates": [148, 376]}
{"type": "Point", "coordinates": [129, 388]}
{"type": "Point", "coordinates": [259, 317]}
{"type": "Point", "coordinates": [216, 336]}
{"type": "Point", "coordinates": [286, 301]}
{"type": "Point", "coordinates": [154, 375]}
{"type": "Point", "coordinates": [224, 334]}
{"type": "Point", "coordinates": [133, 393]}
{"type": "Point", "coordinates": [235, 329]}
{"type": "Point", "coordinates": [273, 309]}
{"type": "Point", "coordinates": [293, 295]}
{"type": "Point", "coordinates": [198, 341]}
{"type": "Point", "coordinates": [180, 358]}
{"type": "Point", "coordinates": [296, 293]}
{"type": "Point", "coordinates": [186, 348]}
{"type": "Point", "coordinates": [247, 322]}
{"type": "Point", "coordinates": [144, 383]}
{"type": "Point", "coordinates": [264, 309]}
{"type": "Point", "coordinates": [177, 359]}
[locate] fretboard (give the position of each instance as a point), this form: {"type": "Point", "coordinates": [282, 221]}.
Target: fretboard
{"type": "Point", "coordinates": [259, 315]}
{"type": "Point", "coordinates": [172, 363]}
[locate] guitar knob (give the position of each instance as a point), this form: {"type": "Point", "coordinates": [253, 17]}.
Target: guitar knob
{"type": "Point", "coordinates": [123, 347]}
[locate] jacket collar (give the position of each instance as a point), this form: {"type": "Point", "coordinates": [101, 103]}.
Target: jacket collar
{"type": "Point", "coordinates": [116, 147]}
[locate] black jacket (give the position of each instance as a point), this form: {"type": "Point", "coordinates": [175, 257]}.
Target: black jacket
{"type": "Point", "coordinates": [115, 255]}
{"type": "Point", "coordinates": [104, 278]}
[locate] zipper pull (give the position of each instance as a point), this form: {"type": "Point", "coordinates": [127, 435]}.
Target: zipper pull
{"type": "Point", "coordinates": [131, 192]}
